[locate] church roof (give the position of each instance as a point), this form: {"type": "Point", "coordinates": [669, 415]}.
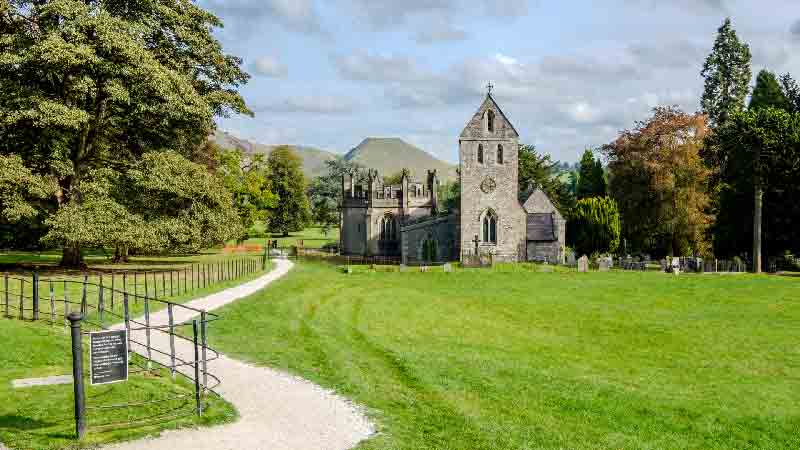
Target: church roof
{"type": "Point", "coordinates": [538, 202]}
{"type": "Point", "coordinates": [477, 119]}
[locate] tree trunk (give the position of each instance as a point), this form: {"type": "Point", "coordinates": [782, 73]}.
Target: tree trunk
{"type": "Point", "coordinates": [759, 199]}
{"type": "Point", "coordinates": [71, 257]}
{"type": "Point", "coordinates": [120, 255]}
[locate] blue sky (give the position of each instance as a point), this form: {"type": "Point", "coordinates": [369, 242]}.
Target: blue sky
{"type": "Point", "coordinates": [569, 73]}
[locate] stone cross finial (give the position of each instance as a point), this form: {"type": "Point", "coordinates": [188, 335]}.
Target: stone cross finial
{"type": "Point", "coordinates": [489, 88]}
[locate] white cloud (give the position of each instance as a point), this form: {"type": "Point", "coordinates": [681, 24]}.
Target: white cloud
{"type": "Point", "coordinates": [294, 15]}
{"type": "Point", "coordinates": [315, 104]}
{"type": "Point", "coordinates": [364, 66]}
{"type": "Point", "coordinates": [269, 66]}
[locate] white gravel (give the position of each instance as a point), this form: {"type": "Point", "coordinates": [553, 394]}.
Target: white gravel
{"type": "Point", "coordinates": [277, 411]}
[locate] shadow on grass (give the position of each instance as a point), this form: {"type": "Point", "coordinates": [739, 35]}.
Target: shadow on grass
{"type": "Point", "coordinates": [17, 422]}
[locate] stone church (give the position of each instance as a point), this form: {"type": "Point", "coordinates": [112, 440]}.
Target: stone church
{"type": "Point", "coordinates": [405, 220]}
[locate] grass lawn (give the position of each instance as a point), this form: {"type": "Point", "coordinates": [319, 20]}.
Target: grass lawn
{"type": "Point", "coordinates": [312, 237]}
{"type": "Point", "coordinates": [41, 418]}
{"type": "Point", "coordinates": [512, 359]}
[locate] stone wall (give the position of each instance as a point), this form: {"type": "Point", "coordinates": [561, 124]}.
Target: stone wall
{"type": "Point", "coordinates": [443, 230]}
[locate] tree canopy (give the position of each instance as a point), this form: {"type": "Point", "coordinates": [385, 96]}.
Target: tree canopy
{"type": "Point", "coordinates": [288, 182]}
{"type": "Point", "coordinates": [659, 181]}
{"type": "Point", "coordinates": [768, 92]}
{"type": "Point", "coordinates": [89, 87]}
{"type": "Point", "coordinates": [538, 170]}
{"type": "Point", "coordinates": [591, 180]}
{"type": "Point", "coordinates": [246, 177]}
{"type": "Point", "coordinates": [594, 226]}
{"type": "Point", "coordinates": [727, 75]}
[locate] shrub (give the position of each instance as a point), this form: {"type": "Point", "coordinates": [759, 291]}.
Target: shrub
{"type": "Point", "coordinates": [594, 226]}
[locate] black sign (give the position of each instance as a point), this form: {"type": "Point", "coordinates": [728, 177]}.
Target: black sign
{"type": "Point", "coordinates": [108, 356]}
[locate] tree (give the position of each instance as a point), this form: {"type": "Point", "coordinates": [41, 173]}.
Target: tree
{"type": "Point", "coordinates": [727, 75]}
{"type": "Point", "coordinates": [90, 86]}
{"type": "Point", "coordinates": [768, 92]}
{"type": "Point", "coordinates": [540, 171]}
{"type": "Point", "coordinates": [288, 183]}
{"type": "Point", "coordinates": [594, 226]}
{"type": "Point", "coordinates": [163, 202]}
{"type": "Point", "coordinates": [792, 92]}
{"type": "Point", "coordinates": [764, 144]}
{"type": "Point", "coordinates": [395, 178]}
{"type": "Point", "coordinates": [591, 177]}
{"type": "Point", "coordinates": [325, 192]}
{"type": "Point", "coordinates": [659, 181]}
{"type": "Point", "coordinates": [246, 177]}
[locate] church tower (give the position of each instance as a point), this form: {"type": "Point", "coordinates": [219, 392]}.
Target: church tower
{"type": "Point", "coordinates": [491, 216]}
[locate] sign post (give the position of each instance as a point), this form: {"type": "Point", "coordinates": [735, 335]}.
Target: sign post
{"type": "Point", "coordinates": [77, 374]}
{"type": "Point", "coordinates": [108, 356]}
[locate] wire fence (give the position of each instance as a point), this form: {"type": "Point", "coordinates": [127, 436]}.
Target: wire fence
{"type": "Point", "coordinates": [163, 335]}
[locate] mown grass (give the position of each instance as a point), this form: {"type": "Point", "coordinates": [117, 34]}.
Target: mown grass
{"type": "Point", "coordinates": [513, 359]}
{"type": "Point", "coordinates": [39, 418]}
{"type": "Point", "coordinates": [312, 237]}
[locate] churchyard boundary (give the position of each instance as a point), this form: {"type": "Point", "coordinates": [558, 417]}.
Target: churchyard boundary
{"type": "Point", "coordinates": [91, 306]}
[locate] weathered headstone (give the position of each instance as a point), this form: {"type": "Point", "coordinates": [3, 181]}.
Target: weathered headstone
{"type": "Point", "coordinates": [676, 266]}
{"type": "Point", "coordinates": [583, 264]}
{"type": "Point", "coordinates": [403, 267]}
{"type": "Point", "coordinates": [448, 267]}
{"type": "Point", "coordinates": [571, 258]}
{"type": "Point", "coordinates": [424, 269]}
{"type": "Point", "coordinates": [604, 265]}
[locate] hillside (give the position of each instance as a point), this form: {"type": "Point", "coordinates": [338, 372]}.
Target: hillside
{"type": "Point", "coordinates": [390, 155]}
{"type": "Point", "coordinates": [313, 158]}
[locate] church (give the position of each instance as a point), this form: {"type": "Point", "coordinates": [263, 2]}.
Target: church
{"type": "Point", "coordinates": [405, 220]}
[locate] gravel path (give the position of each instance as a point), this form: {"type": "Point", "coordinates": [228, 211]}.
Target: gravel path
{"type": "Point", "coordinates": [277, 411]}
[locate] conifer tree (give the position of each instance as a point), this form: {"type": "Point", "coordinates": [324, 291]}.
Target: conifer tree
{"type": "Point", "coordinates": [768, 93]}
{"type": "Point", "coordinates": [727, 75]}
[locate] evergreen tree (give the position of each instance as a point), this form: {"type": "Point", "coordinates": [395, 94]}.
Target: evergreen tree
{"type": "Point", "coordinates": [792, 91]}
{"type": "Point", "coordinates": [768, 93]}
{"type": "Point", "coordinates": [727, 75]}
{"type": "Point", "coordinates": [591, 177]}
{"type": "Point", "coordinates": [594, 226]}
{"type": "Point", "coordinates": [539, 171]}
{"type": "Point", "coordinates": [288, 183]}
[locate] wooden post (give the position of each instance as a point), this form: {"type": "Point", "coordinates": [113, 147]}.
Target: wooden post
{"type": "Point", "coordinates": [171, 338]}
{"type": "Point", "coordinates": [35, 294]}
{"type": "Point", "coordinates": [84, 306]}
{"type": "Point", "coordinates": [198, 404]}
{"type": "Point", "coordinates": [113, 277]}
{"type": "Point", "coordinates": [147, 330]}
{"type": "Point", "coordinates": [79, 394]}
{"type": "Point", "coordinates": [100, 301]}
{"type": "Point", "coordinates": [52, 303]}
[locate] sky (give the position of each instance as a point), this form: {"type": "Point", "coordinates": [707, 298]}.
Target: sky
{"type": "Point", "coordinates": [569, 74]}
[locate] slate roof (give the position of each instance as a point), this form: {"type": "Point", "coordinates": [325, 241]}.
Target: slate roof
{"type": "Point", "coordinates": [541, 228]}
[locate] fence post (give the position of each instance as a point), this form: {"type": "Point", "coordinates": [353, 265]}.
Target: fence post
{"type": "Point", "coordinates": [66, 306]}
{"type": "Point", "coordinates": [21, 298]}
{"type": "Point", "coordinates": [52, 303]}
{"type": "Point", "coordinates": [185, 280]}
{"type": "Point", "coordinates": [84, 306]}
{"type": "Point", "coordinates": [77, 375]}
{"type": "Point", "coordinates": [135, 288]}
{"type": "Point", "coordinates": [35, 295]}
{"type": "Point", "coordinates": [146, 288]}
{"type": "Point", "coordinates": [192, 267]}
{"type": "Point", "coordinates": [5, 287]}
{"type": "Point", "coordinates": [101, 302]}
{"type": "Point", "coordinates": [203, 341]}
{"type": "Point", "coordinates": [163, 284]}
{"type": "Point", "coordinates": [199, 406]}
{"type": "Point", "coordinates": [147, 330]}
{"type": "Point", "coordinates": [113, 277]}
{"type": "Point", "coordinates": [171, 286]}
{"type": "Point", "coordinates": [126, 312]}
{"type": "Point", "coordinates": [205, 275]}
{"type": "Point", "coordinates": [171, 339]}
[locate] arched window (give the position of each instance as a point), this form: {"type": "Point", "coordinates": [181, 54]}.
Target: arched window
{"type": "Point", "coordinates": [480, 153]}
{"type": "Point", "coordinates": [388, 228]}
{"type": "Point", "coordinates": [500, 154]}
{"type": "Point", "coordinates": [489, 228]}
{"type": "Point", "coordinates": [490, 121]}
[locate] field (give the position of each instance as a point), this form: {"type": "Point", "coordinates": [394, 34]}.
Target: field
{"type": "Point", "coordinates": [512, 359]}
{"type": "Point", "coordinates": [312, 237]}
{"type": "Point", "coordinates": [40, 418]}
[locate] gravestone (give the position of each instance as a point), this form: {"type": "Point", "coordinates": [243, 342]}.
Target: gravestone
{"type": "Point", "coordinates": [424, 269]}
{"type": "Point", "coordinates": [604, 265]}
{"type": "Point", "coordinates": [571, 258]}
{"type": "Point", "coordinates": [583, 264]}
{"type": "Point", "coordinates": [545, 268]}
{"type": "Point", "coordinates": [676, 266]}
{"type": "Point", "coordinates": [348, 270]}
{"type": "Point", "coordinates": [403, 267]}
{"type": "Point", "coordinates": [663, 264]}
{"type": "Point", "coordinates": [448, 268]}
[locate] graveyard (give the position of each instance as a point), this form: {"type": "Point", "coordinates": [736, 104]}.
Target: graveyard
{"type": "Point", "coordinates": [517, 357]}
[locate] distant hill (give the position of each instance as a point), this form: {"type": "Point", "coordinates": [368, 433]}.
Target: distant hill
{"type": "Point", "coordinates": [313, 158]}
{"type": "Point", "coordinates": [391, 155]}
{"type": "Point", "coordinates": [387, 155]}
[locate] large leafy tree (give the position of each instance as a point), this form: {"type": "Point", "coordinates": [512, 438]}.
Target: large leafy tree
{"type": "Point", "coordinates": [594, 226]}
{"type": "Point", "coordinates": [727, 75]}
{"type": "Point", "coordinates": [764, 144]}
{"type": "Point", "coordinates": [87, 87]}
{"type": "Point", "coordinates": [659, 181]}
{"type": "Point", "coordinates": [247, 179]}
{"type": "Point", "coordinates": [591, 180]}
{"type": "Point", "coordinates": [792, 91]}
{"type": "Point", "coordinates": [538, 170]}
{"type": "Point", "coordinates": [288, 182]}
